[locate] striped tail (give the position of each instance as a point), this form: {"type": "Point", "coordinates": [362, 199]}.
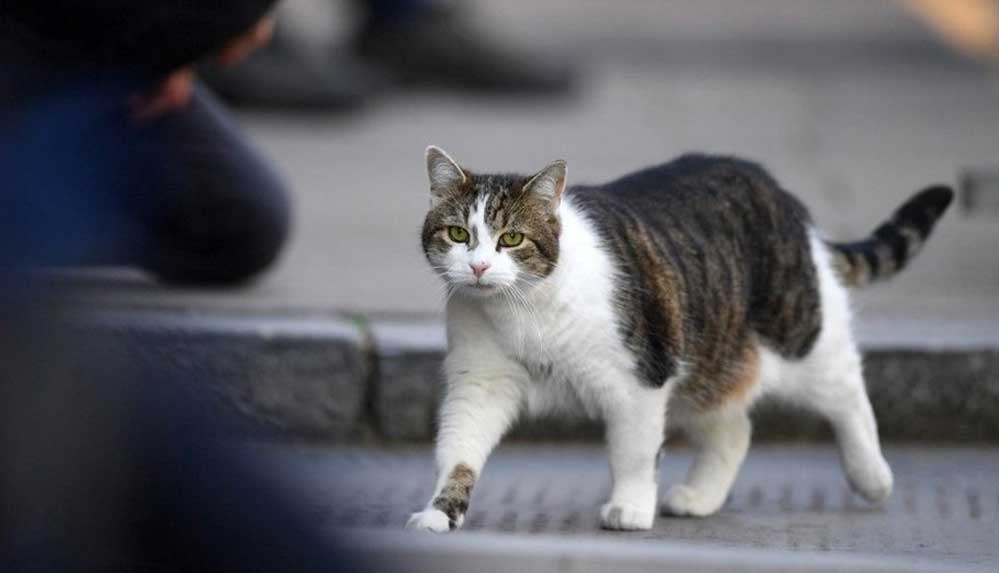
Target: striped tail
{"type": "Point", "coordinates": [895, 242]}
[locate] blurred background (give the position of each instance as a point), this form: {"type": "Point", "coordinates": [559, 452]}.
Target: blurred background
{"type": "Point", "coordinates": [331, 344]}
{"type": "Point", "coordinates": [852, 104]}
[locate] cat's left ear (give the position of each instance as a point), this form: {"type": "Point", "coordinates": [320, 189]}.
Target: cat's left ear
{"type": "Point", "coordinates": [549, 183]}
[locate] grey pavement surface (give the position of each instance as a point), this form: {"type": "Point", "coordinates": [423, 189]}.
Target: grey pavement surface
{"type": "Point", "coordinates": [787, 500]}
{"type": "Point", "coordinates": [853, 105]}
{"type": "Point", "coordinates": [539, 553]}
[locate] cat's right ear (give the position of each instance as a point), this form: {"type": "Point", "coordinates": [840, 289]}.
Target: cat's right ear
{"type": "Point", "coordinates": [445, 174]}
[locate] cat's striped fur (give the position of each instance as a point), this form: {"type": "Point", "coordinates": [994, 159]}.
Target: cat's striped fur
{"type": "Point", "coordinates": [895, 242]}
{"type": "Point", "coordinates": [699, 283]}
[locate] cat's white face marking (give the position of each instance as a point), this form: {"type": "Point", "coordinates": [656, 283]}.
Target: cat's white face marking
{"type": "Point", "coordinates": [480, 252]}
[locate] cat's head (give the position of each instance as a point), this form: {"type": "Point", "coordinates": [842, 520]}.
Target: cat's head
{"type": "Point", "coordinates": [487, 233]}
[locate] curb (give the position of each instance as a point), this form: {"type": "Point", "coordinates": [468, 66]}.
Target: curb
{"type": "Point", "coordinates": [946, 390]}
{"type": "Point", "coordinates": [406, 388]}
{"type": "Point", "coordinates": [334, 378]}
{"type": "Point", "coordinates": [292, 376]}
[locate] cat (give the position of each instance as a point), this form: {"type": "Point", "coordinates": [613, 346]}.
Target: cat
{"type": "Point", "coordinates": [682, 293]}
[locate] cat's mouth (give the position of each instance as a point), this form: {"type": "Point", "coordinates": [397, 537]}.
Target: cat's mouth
{"type": "Point", "coordinates": [481, 289]}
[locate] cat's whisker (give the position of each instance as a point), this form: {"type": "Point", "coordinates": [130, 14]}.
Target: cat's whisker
{"type": "Point", "coordinates": [515, 313]}
{"type": "Point", "coordinates": [525, 303]}
{"type": "Point", "coordinates": [512, 304]}
{"type": "Point", "coordinates": [447, 290]}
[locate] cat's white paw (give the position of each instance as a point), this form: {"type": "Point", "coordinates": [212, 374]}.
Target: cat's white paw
{"type": "Point", "coordinates": [873, 481]}
{"type": "Point", "coordinates": [627, 516]}
{"type": "Point", "coordinates": [433, 520]}
{"type": "Point", "coordinates": [684, 501]}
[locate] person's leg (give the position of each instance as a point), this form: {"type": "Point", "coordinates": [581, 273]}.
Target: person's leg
{"type": "Point", "coordinates": [290, 74]}
{"type": "Point", "coordinates": [184, 197]}
{"type": "Point", "coordinates": [426, 43]}
{"type": "Point", "coordinates": [438, 44]}
{"type": "Point", "coordinates": [218, 212]}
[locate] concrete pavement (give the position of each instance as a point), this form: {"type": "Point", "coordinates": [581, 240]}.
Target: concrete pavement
{"type": "Point", "coordinates": [791, 501]}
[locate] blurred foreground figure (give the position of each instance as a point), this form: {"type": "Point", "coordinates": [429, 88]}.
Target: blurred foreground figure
{"type": "Point", "coordinates": [110, 154]}
{"type": "Point", "coordinates": [108, 466]}
{"type": "Point", "coordinates": [426, 43]}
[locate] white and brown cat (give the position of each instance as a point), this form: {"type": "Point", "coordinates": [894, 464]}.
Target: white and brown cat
{"type": "Point", "coordinates": [676, 295]}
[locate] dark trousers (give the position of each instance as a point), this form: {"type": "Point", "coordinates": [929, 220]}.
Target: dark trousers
{"type": "Point", "coordinates": [184, 196]}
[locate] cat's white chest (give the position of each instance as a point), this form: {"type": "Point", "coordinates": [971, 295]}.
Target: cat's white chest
{"type": "Point", "coordinates": [550, 342]}
{"type": "Point", "coordinates": [569, 342]}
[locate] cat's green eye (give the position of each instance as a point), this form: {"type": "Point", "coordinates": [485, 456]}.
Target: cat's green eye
{"type": "Point", "coordinates": [511, 239]}
{"type": "Point", "coordinates": [457, 234]}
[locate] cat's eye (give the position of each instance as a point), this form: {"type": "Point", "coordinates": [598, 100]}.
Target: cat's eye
{"type": "Point", "coordinates": [457, 234]}
{"type": "Point", "coordinates": [511, 239]}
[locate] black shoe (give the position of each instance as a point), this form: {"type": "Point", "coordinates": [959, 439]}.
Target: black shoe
{"type": "Point", "coordinates": [439, 49]}
{"type": "Point", "coordinates": [284, 76]}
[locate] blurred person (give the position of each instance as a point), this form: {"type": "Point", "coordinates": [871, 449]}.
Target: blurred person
{"type": "Point", "coordinates": [428, 43]}
{"type": "Point", "coordinates": [110, 464]}
{"type": "Point", "coordinates": [112, 154]}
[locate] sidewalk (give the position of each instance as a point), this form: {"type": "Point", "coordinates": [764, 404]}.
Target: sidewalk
{"type": "Point", "coordinates": [852, 105]}
{"type": "Point", "coordinates": [792, 501]}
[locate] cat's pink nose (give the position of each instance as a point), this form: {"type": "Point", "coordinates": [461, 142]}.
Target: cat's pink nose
{"type": "Point", "coordinates": [479, 269]}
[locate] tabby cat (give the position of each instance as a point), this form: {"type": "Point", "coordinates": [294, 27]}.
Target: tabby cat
{"type": "Point", "coordinates": [681, 293]}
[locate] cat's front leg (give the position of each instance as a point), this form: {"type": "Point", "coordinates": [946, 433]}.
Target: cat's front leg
{"type": "Point", "coordinates": [482, 400]}
{"type": "Point", "coordinates": [635, 431]}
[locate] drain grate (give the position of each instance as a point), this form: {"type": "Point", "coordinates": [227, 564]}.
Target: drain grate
{"type": "Point", "coordinates": [945, 506]}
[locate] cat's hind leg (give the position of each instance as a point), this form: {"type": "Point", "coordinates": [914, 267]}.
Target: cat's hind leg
{"type": "Point", "coordinates": [859, 448]}
{"type": "Point", "coordinates": [833, 386]}
{"type": "Point", "coordinates": [830, 382]}
{"type": "Point", "coordinates": [722, 436]}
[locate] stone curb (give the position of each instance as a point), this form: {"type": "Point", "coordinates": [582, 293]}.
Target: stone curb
{"type": "Point", "coordinates": [293, 376]}
{"type": "Point", "coordinates": [946, 390]}
{"type": "Point", "coordinates": [330, 377]}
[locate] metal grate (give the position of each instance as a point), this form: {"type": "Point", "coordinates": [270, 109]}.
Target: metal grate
{"type": "Point", "coordinates": [945, 506]}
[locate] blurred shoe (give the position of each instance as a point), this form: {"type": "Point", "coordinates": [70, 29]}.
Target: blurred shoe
{"type": "Point", "coordinates": [284, 76]}
{"type": "Point", "coordinates": [439, 48]}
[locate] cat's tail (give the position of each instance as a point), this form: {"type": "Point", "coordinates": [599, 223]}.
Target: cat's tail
{"type": "Point", "coordinates": [887, 250]}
